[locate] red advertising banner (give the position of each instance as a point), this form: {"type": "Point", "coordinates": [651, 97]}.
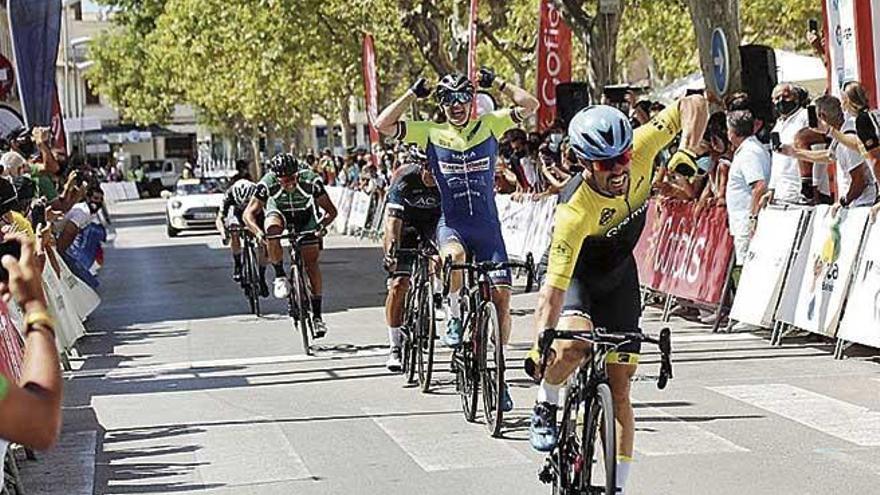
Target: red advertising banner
{"type": "Point", "coordinates": [371, 91]}
{"type": "Point", "coordinates": [554, 60]}
{"type": "Point", "coordinates": [682, 255]}
{"type": "Point", "coordinates": [472, 50]}
{"type": "Point", "coordinates": [11, 353]}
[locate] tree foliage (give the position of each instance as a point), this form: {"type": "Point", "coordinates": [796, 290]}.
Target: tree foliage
{"type": "Point", "coordinates": [665, 30]}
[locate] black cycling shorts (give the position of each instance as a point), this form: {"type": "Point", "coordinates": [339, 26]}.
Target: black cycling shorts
{"type": "Point", "coordinates": [611, 300]}
{"type": "Point", "coordinates": [299, 222]}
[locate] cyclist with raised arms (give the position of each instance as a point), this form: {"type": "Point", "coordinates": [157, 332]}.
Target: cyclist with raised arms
{"type": "Point", "coordinates": [291, 195]}
{"type": "Point", "coordinates": [461, 155]}
{"type": "Point", "coordinates": [591, 272]}
{"type": "Point", "coordinates": [413, 207]}
{"type": "Point", "coordinates": [235, 200]}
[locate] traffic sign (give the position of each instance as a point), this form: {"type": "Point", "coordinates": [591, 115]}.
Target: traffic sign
{"type": "Point", "coordinates": [720, 61]}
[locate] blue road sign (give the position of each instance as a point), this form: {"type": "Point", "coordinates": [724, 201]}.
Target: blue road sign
{"type": "Point", "coordinates": [720, 61]}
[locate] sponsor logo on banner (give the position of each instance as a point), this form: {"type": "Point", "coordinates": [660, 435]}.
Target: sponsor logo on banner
{"type": "Point", "coordinates": [684, 256]}
{"type": "Point", "coordinates": [554, 60]}
{"type": "Point", "coordinates": [832, 254]}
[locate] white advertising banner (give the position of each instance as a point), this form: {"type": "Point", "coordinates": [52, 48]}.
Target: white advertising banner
{"type": "Point", "coordinates": [343, 207]}
{"type": "Point", "coordinates": [516, 221]}
{"type": "Point", "coordinates": [360, 210]}
{"type": "Point", "coordinates": [842, 48]}
{"type": "Point", "coordinates": [832, 254]}
{"type": "Point", "coordinates": [81, 298]}
{"type": "Point", "coordinates": [69, 327]}
{"type": "Point", "coordinates": [770, 250]}
{"type": "Point", "coordinates": [791, 287]}
{"type": "Point", "coordinates": [539, 240]}
{"type": "Point", "coordinates": [861, 318]}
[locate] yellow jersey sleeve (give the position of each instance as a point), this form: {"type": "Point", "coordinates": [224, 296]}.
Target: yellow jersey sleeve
{"type": "Point", "coordinates": [414, 132]}
{"type": "Point", "coordinates": [500, 121]}
{"type": "Point", "coordinates": [652, 137]}
{"type": "Point", "coordinates": [569, 232]}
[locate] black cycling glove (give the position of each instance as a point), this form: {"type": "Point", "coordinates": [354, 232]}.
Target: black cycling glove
{"type": "Point", "coordinates": [486, 77]}
{"type": "Point", "coordinates": [420, 88]}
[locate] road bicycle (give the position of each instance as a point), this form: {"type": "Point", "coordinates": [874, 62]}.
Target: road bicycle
{"type": "Point", "coordinates": [584, 461]}
{"type": "Point", "coordinates": [420, 326]}
{"type": "Point", "coordinates": [250, 268]}
{"type": "Point", "coordinates": [478, 363]}
{"type": "Point", "coordinates": [299, 302]}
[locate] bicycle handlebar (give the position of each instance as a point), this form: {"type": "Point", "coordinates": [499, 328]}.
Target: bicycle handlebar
{"type": "Point", "coordinates": [484, 267]}
{"type": "Point", "coordinates": [296, 236]}
{"type": "Point", "coordinates": [600, 337]}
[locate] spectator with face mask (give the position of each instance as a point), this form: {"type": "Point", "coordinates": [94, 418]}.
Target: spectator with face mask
{"type": "Point", "coordinates": [80, 237]}
{"type": "Point", "coordinates": [856, 185]}
{"type": "Point", "coordinates": [785, 176]}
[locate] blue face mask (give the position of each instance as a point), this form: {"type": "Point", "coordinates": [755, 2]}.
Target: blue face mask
{"type": "Point", "coordinates": [704, 163]}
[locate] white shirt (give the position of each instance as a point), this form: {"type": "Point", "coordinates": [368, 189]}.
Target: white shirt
{"type": "Point", "coordinates": [848, 160]}
{"type": "Point", "coordinates": [80, 215]}
{"type": "Point", "coordinates": [751, 163]}
{"type": "Point", "coordinates": [785, 176]}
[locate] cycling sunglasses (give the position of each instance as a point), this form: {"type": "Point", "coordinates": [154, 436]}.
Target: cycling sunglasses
{"type": "Point", "coordinates": [608, 164]}
{"type": "Point", "coordinates": [457, 97]}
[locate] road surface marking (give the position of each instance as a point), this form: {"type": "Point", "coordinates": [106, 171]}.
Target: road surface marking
{"type": "Point", "coordinates": [673, 436]}
{"type": "Point", "coordinates": [849, 422]}
{"type": "Point", "coordinates": [196, 365]}
{"type": "Point", "coordinates": [446, 442]}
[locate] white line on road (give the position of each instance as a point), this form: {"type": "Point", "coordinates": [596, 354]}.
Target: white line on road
{"type": "Point", "coordinates": [444, 443]}
{"type": "Point", "coordinates": [195, 365]}
{"type": "Point", "coordinates": [677, 437]}
{"type": "Point", "coordinates": [849, 422]}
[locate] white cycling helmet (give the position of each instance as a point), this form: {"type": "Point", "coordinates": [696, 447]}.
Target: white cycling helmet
{"type": "Point", "coordinates": [600, 132]}
{"type": "Point", "coordinates": [243, 191]}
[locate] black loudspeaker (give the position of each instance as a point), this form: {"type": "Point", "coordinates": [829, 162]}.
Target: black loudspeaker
{"type": "Point", "coordinates": [570, 99]}
{"type": "Point", "coordinates": [759, 78]}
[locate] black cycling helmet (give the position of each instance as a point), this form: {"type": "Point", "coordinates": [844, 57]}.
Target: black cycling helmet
{"type": "Point", "coordinates": [284, 165]}
{"type": "Point", "coordinates": [454, 88]}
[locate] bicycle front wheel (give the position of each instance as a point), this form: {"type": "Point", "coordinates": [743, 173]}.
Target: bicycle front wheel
{"type": "Point", "coordinates": [300, 303]}
{"type": "Point", "coordinates": [253, 278]}
{"type": "Point", "coordinates": [467, 380]}
{"type": "Point", "coordinates": [426, 330]}
{"type": "Point", "coordinates": [491, 367]}
{"type": "Point", "coordinates": [600, 443]}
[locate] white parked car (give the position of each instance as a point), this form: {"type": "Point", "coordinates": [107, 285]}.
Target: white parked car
{"type": "Point", "coordinates": [194, 205]}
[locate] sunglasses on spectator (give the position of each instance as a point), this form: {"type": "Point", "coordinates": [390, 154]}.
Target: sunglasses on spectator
{"type": "Point", "coordinates": [458, 97]}
{"type": "Point", "coordinates": [608, 164]}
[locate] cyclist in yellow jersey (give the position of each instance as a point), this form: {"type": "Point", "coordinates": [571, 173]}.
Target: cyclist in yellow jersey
{"type": "Point", "coordinates": [591, 273]}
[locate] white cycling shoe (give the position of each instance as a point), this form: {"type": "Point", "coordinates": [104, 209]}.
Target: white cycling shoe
{"type": "Point", "coordinates": [281, 288]}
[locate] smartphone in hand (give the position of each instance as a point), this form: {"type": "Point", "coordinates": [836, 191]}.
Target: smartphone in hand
{"type": "Point", "coordinates": [775, 141]}
{"type": "Point", "coordinates": [813, 26]}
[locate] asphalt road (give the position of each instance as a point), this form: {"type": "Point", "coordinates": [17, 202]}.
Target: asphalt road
{"type": "Point", "coordinates": [178, 390]}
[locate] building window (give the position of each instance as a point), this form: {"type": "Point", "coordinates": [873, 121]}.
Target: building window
{"type": "Point", "coordinates": [77, 11]}
{"type": "Point", "coordinates": [92, 98]}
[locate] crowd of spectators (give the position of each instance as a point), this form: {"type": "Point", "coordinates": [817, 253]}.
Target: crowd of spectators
{"type": "Point", "coordinates": [48, 204]}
